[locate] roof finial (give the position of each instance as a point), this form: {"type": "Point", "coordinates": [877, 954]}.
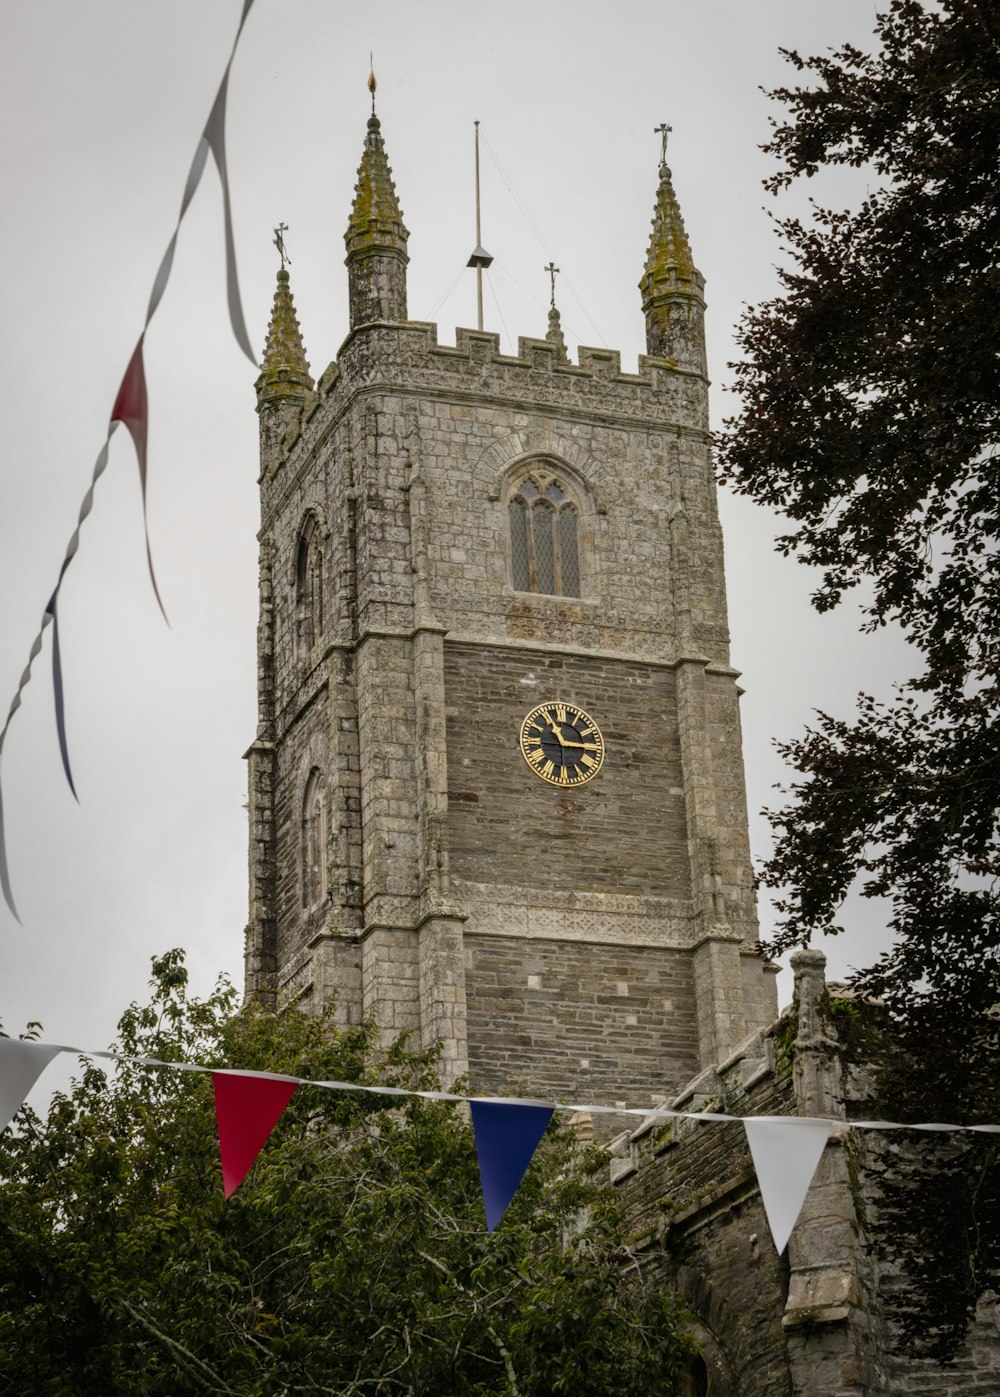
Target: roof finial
{"type": "Point", "coordinates": [552, 270]}
{"type": "Point", "coordinates": [554, 334]}
{"type": "Point", "coordinates": [372, 84]}
{"type": "Point", "coordinates": [279, 243]}
{"type": "Point", "coordinates": [663, 131]}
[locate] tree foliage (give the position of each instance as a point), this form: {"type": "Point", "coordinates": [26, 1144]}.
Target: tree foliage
{"type": "Point", "coordinates": [353, 1259]}
{"type": "Point", "coordinates": [870, 412]}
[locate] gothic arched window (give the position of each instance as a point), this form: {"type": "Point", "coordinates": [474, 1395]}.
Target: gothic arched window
{"type": "Point", "coordinates": [308, 588]}
{"type": "Point", "coordinates": [314, 839]}
{"type": "Point", "coordinates": [544, 522]}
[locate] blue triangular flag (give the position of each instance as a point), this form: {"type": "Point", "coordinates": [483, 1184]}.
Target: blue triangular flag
{"type": "Point", "coordinates": [507, 1137]}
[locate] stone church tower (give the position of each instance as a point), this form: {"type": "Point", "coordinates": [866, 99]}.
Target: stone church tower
{"type": "Point", "coordinates": [497, 793]}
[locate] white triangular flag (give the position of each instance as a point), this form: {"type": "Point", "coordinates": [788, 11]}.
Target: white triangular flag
{"type": "Point", "coordinates": [785, 1154]}
{"type": "Point", "coordinates": [21, 1065]}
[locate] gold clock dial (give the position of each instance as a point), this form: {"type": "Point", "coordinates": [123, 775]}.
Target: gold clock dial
{"type": "Point", "coordinates": [562, 744]}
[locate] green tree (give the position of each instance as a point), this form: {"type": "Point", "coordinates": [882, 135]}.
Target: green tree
{"type": "Point", "coordinates": [353, 1259]}
{"type": "Point", "coordinates": [870, 412]}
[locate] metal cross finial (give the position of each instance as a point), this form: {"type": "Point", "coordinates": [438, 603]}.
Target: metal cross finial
{"type": "Point", "coordinates": [552, 269]}
{"type": "Point", "coordinates": [279, 243]}
{"type": "Point", "coordinates": [372, 84]}
{"type": "Point", "coordinates": [664, 131]}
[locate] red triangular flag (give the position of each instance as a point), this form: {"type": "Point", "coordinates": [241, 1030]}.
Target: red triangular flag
{"type": "Point", "coordinates": [247, 1109]}
{"type": "Point", "coordinates": [132, 407]}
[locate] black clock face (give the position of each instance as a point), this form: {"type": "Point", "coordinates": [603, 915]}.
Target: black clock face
{"type": "Point", "coordinates": [562, 744]}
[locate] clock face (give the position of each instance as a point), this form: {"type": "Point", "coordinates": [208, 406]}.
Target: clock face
{"type": "Point", "coordinates": [562, 744]}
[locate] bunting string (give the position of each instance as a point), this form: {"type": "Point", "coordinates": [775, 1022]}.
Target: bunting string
{"type": "Point", "coordinates": [131, 407]}
{"type": "Point", "coordinates": [568, 1107]}
{"type": "Point", "coordinates": [786, 1150]}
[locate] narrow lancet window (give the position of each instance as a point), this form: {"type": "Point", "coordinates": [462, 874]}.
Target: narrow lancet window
{"type": "Point", "coordinates": [543, 522]}
{"type": "Point", "coordinates": [308, 589]}
{"type": "Point", "coordinates": [314, 840]}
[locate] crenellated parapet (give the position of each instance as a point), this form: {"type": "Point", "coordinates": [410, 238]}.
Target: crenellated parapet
{"type": "Point", "coordinates": [410, 356]}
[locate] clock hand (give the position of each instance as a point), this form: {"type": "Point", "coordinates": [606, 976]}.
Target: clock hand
{"type": "Point", "coordinates": [557, 734]}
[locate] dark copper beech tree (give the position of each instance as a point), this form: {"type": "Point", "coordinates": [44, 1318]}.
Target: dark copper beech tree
{"type": "Point", "coordinates": [870, 413]}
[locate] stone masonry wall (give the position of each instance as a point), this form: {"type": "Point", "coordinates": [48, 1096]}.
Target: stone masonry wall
{"type": "Point", "coordinates": [634, 444]}
{"type": "Point", "coordinates": [579, 1020]}
{"type": "Point", "coordinates": [811, 1323]}
{"type": "Point", "coordinates": [623, 832]}
{"type": "Point", "coordinates": [693, 1206]}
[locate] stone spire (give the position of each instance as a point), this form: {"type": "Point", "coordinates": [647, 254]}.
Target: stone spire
{"type": "Point", "coordinates": [672, 287]}
{"type": "Point", "coordinates": [285, 381]}
{"type": "Point", "coordinates": [376, 238]}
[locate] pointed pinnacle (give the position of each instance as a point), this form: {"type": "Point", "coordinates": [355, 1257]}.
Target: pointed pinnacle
{"type": "Point", "coordinates": [285, 368]}
{"type": "Point", "coordinates": [375, 216]}
{"type": "Point", "coordinates": [669, 249]}
{"type": "Point", "coordinates": [554, 334]}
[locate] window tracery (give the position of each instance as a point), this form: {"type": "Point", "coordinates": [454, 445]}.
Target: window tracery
{"type": "Point", "coordinates": [543, 521]}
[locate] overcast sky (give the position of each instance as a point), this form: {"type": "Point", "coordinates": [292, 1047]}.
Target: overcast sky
{"type": "Point", "coordinates": [104, 103]}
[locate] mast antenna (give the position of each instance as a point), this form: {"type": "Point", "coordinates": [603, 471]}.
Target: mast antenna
{"type": "Point", "coordinates": [480, 257]}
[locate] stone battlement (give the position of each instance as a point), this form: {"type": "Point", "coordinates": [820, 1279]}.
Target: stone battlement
{"type": "Point", "coordinates": [409, 358]}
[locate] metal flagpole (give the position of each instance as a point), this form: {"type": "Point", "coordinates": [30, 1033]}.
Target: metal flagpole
{"type": "Point", "coordinates": [480, 258]}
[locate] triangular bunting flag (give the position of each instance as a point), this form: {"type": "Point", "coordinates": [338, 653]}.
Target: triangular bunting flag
{"type": "Point", "coordinates": [21, 1065]}
{"type": "Point", "coordinates": [785, 1154]}
{"type": "Point", "coordinates": [247, 1109]}
{"type": "Point", "coordinates": [506, 1139]}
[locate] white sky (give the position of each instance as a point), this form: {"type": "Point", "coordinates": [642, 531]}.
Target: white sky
{"type": "Point", "coordinates": [104, 103]}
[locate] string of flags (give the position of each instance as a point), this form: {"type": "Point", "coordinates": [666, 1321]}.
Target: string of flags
{"type": "Point", "coordinates": [131, 408]}
{"type": "Point", "coordinates": [785, 1150]}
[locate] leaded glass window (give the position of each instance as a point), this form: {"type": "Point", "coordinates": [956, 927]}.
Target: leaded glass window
{"type": "Point", "coordinates": [544, 549]}
{"type": "Point", "coordinates": [569, 558]}
{"type": "Point", "coordinates": [520, 553]}
{"type": "Point", "coordinates": [542, 528]}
